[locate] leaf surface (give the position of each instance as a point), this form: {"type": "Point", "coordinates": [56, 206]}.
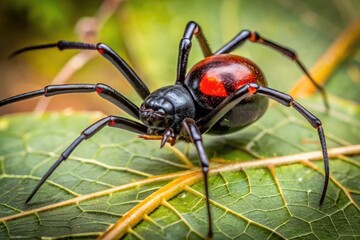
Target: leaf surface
{"type": "Point", "coordinates": [114, 171]}
{"type": "Point", "coordinates": [265, 181]}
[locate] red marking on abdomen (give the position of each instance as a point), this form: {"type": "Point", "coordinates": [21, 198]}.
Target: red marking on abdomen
{"type": "Point", "coordinates": [212, 86]}
{"type": "Point", "coordinates": [249, 79]}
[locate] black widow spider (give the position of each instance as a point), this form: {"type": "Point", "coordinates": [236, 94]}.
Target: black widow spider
{"type": "Point", "coordinates": [221, 94]}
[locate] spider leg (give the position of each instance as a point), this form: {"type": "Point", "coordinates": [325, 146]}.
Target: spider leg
{"type": "Point", "coordinates": [103, 90]}
{"type": "Point", "coordinates": [191, 29]}
{"type": "Point", "coordinates": [245, 35]}
{"type": "Point", "coordinates": [217, 113]}
{"type": "Point", "coordinates": [105, 51]}
{"type": "Point", "coordinates": [111, 121]}
{"type": "Point", "coordinates": [194, 133]}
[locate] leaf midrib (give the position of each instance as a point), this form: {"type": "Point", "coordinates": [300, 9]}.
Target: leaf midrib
{"type": "Point", "coordinates": [225, 167]}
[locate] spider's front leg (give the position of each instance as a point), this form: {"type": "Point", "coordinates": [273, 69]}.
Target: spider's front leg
{"type": "Point", "coordinates": [194, 133]}
{"type": "Point", "coordinates": [111, 121]}
{"type": "Point", "coordinates": [103, 90]}
{"type": "Point", "coordinates": [191, 29]}
{"type": "Point", "coordinates": [105, 51]}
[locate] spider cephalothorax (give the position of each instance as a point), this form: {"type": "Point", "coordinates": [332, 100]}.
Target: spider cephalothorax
{"type": "Point", "coordinates": [167, 107]}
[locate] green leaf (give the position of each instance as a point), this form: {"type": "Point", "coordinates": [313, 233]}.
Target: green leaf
{"type": "Point", "coordinates": [114, 171]}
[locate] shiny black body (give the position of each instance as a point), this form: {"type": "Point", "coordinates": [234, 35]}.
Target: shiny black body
{"type": "Point", "coordinates": [229, 73]}
{"type": "Point", "coordinates": [221, 94]}
{"type": "Point", "coordinates": [167, 107]}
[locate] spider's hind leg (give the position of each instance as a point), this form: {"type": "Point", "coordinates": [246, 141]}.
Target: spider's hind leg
{"type": "Point", "coordinates": [246, 35]}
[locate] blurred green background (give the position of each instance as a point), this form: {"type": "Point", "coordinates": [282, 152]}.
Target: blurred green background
{"type": "Point", "coordinates": [147, 34]}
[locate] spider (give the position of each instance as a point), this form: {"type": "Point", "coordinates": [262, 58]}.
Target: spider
{"type": "Point", "coordinates": [221, 94]}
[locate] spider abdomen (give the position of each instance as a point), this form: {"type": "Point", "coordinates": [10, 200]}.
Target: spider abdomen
{"type": "Point", "coordinates": [213, 79]}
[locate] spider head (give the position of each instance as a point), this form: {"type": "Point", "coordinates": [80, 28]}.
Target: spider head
{"type": "Point", "coordinates": [156, 112]}
{"type": "Point", "coordinates": [166, 108]}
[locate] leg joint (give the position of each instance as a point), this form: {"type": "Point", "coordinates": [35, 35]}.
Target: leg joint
{"type": "Point", "coordinates": [185, 44]}
{"type": "Point", "coordinates": [314, 121]}
{"type": "Point", "coordinates": [191, 28]}
{"type": "Point", "coordinates": [253, 88]}
{"type": "Point", "coordinates": [254, 37]}
{"type": "Point", "coordinates": [101, 48]}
